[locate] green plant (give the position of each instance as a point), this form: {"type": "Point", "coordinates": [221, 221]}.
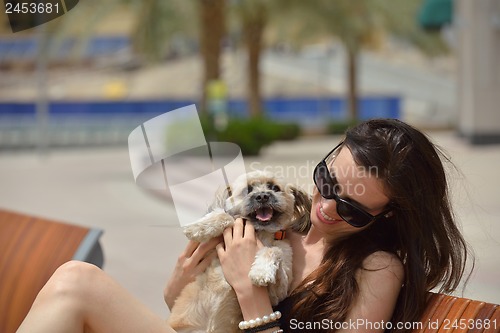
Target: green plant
{"type": "Point", "coordinates": [252, 134]}
{"type": "Point", "coordinates": [289, 131]}
{"type": "Point", "coordinates": [339, 127]}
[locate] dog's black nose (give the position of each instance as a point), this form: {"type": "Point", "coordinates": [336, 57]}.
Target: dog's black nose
{"type": "Point", "coordinates": [262, 197]}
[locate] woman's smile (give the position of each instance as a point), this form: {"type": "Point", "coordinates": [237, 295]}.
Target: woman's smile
{"type": "Point", "coordinates": [324, 217]}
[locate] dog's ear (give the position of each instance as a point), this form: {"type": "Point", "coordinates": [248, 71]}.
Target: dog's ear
{"type": "Point", "coordinates": [220, 198]}
{"type": "Point", "coordinates": [228, 192]}
{"type": "Point", "coordinates": [301, 210]}
{"type": "Point", "coordinates": [230, 202]}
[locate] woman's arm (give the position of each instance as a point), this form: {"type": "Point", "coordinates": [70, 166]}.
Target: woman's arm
{"type": "Point", "coordinates": [379, 286]}
{"type": "Point", "coordinates": [236, 255]}
{"type": "Point", "coordinates": [192, 261]}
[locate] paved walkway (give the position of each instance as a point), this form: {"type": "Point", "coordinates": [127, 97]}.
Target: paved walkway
{"type": "Point", "coordinates": [142, 239]}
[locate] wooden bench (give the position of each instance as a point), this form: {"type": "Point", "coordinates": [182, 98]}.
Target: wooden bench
{"type": "Point", "coordinates": [446, 313]}
{"type": "Point", "coordinates": [31, 249]}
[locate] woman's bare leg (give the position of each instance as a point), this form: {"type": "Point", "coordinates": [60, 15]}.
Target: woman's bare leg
{"type": "Point", "coordinates": [79, 297]}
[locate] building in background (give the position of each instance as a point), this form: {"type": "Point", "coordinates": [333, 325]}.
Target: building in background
{"type": "Point", "coordinates": [478, 51]}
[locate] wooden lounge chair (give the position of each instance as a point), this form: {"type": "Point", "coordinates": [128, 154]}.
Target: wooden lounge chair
{"type": "Point", "coordinates": [31, 249]}
{"type": "Point", "coordinates": [446, 313]}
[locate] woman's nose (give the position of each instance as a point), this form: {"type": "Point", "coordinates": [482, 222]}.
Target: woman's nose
{"type": "Point", "coordinates": [329, 206]}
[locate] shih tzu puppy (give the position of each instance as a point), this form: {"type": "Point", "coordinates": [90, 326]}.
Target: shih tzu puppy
{"type": "Point", "coordinates": [209, 304]}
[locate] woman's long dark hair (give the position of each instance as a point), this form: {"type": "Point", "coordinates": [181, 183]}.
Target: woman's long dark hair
{"type": "Point", "coordinates": [422, 231]}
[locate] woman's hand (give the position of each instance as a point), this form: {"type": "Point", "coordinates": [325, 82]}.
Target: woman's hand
{"type": "Point", "coordinates": [195, 258]}
{"type": "Point", "coordinates": [237, 254]}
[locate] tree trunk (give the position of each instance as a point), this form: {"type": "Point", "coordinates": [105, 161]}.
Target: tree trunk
{"type": "Point", "coordinates": [212, 30]}
{"type": "Point", "coordinates": [352, 79]}
{"type": "Point", "coordinates": [253, 29]}
{"type": "Point", "coordinates": [144, 42]}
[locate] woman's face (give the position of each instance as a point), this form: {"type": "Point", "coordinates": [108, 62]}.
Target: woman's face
{"type": "Point", "coordinates": [355, 183]}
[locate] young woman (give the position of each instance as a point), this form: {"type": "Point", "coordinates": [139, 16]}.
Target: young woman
{"type": "Point", "coordinates": [381, 235]}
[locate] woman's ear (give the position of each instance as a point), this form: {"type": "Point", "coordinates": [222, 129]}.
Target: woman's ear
{"type": "Point", "coordinates": [301, 210]}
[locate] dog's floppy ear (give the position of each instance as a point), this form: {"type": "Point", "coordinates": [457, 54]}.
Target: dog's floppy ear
{"type": "Point", "coordinates": [228, 192]}
{"type": "Point", "coordinates": [220, 198]}
{"type": "Point", "coordinates": [231, 206]}
{"type": "Point", "coordinates": [301, 210]}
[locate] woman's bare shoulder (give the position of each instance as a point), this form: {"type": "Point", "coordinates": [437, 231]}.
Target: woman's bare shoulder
{"type": "Point", "coordinates": [382, 260]}
{"type": "Point", "coordinates": [379, 283]}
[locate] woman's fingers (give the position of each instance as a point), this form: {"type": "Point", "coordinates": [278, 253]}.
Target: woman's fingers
{"type": "Point", "coordinates": [238, 228]}
{"type": "Point", "coordinates": [190, 248]}
{"type": "Point", "coordinates": [249, 230]}
{"type": "Point", "coordinates": [195, 258]}
{"type": "Point", "coordinates": [205, 247]}
{"type": "Point", "coordinates": [220, 248]}
{"type": "Point", "coordinates": [227, 235]}
{"type": "Point", "coordinates": [237, 253]}
{"type": "Point", "coordinates": [237, 231]}
{"type": "Point", "coordinates": [199, 253]}
{"type": "Point", "coordinates": [206, 261]}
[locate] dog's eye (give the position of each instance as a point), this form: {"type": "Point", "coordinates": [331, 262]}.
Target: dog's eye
{"type": "Point", "coordinates": [275, 188]}
{"type": "Point", "coordinates": [249, 188]}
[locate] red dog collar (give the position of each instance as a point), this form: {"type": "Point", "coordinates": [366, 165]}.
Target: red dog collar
{"type": "Point", "coordinates": [280, 235]}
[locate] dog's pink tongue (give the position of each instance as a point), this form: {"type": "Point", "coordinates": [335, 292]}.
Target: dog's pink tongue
{"type": "Point", "coordinates": [264, 214]}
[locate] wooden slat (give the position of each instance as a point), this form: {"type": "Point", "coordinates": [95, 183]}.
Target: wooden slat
{"type": "Point", "coordinates": [453, 316]}
{"type": "Point", "coordinates": [440, 314]}
{"type": "Point", "coordinates": [31, 249]}
{"type": "Point", "coordinates": [446, 313]}
{"type": "Point", "coordinates": [494, 322]}
{"type": "Point", "coordinates": [486, 312]}
{"type": "Point", "coordinates": [470, 313]}
{"type": "Point", "coordinates": [433, 302]}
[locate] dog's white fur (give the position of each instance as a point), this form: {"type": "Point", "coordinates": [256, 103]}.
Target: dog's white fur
{"type": "Point", "coordinates": [209, 304]}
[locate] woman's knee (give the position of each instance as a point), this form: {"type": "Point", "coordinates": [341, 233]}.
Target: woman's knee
{"type": "Point", "coordinates": [77, 269]}
{"type": "Point", "coordinates": [72, 280]}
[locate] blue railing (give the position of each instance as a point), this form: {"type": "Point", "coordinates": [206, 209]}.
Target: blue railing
{"type": "Point", "coordinates": [110, 122]}
{"type": "Point", "coordinates": [289, 109]}
{"type": "Point", "coordinates": [26, 49]}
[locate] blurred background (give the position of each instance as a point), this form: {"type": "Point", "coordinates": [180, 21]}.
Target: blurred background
{"type": "Point", "coordinates": [282, 79]}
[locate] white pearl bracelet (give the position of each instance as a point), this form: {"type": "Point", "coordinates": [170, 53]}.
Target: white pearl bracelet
{"type": "Point", "coordinates": [243, 325]}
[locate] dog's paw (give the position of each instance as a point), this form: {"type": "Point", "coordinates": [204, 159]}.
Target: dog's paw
{"type": "Point", "coordinates": [264, 268]}
{"type": "Point", "coordinates": [262, 276]}
{"type": "Point", "coordinates": [209, 226]}
{"type": "Point", "coordinates": [196, 233]}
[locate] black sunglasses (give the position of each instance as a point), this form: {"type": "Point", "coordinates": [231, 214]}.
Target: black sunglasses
{"type": "Point", "coordinates": [347, 210]}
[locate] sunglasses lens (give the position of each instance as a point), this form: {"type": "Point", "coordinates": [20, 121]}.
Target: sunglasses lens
{"type": "Point", "coordinates": [352, 215]}
{"type": "Point", "coordinates": [323, 181]}
{"type": "Point", "coordinates": [345, 211]}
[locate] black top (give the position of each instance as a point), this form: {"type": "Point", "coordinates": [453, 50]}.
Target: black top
{"type": "Point", "coordinates": [285, 307]}
{"type": "Point", "coordinates": [289, 324]}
